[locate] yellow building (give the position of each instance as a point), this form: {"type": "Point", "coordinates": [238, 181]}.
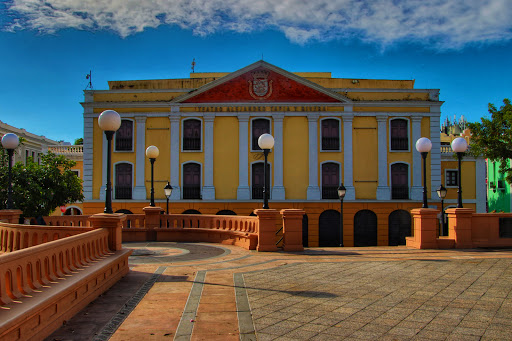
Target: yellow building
{"type": "Point", "coordinates": [361, 132]}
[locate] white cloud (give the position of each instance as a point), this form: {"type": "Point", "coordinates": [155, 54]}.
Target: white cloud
{"type": "Point", "coordinates": [440, 23]}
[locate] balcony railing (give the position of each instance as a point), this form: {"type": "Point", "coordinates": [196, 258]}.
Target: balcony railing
{"type": "Point", "coordinates": [330, 143]}
{"type": "Point", "coordinates": [123, 144]}
{"type": "Point", "coordinates": [257, 192]}
{"type": "Point", "coordinates": [399, 143]}
{"type": "Point", "coordinates": [191, 143]}
{"type": "Point", "coordinates": [330, 192]}
{"type": "Point", "coordinates": [400, 192]}
{"type": "Point", "coordinates": [67, 150]}
{"type": "Point", "coordinates": [191, 192]}
{"type": "Point", "coordinates": [123, 192]}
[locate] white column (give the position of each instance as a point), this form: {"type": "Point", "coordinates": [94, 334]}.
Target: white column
{"type": "Point", "coordinates": [383, 191]}
{"type": "Point", "coordinates": [208, 187]}
{"type": "Point", "coordinates": [313, 191]}
{"type": "Point", "coordinates": [417, 187]}
{"type": "Point", "coordinates": [243, 192]}
{"type": "Point", "coordinates": [139, 191]}
{"type": "Point", "coordinates": [278, 192]}
{"type": "Point", "coordinates": [104, 166]}
{"type": "Point", "coordinates": [175, 156]}
{"type": "Point", "coordinates": [88, 157]}
{"type": "Point", "coordinates": [348, 170]}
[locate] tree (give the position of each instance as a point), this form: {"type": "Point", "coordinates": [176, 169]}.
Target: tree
{"type": "Point", "coordinates": [492, 137]}
{"type": "Point", "coordinates": [79, 141]}
{"type": "Point", "coordinates": [38, 189]}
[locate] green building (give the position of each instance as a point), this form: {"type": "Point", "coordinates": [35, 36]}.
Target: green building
{"type": "Point", "coordinates": [498, 190]}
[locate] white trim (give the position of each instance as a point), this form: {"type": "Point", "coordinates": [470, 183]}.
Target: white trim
{"type": "Point", "coordinates": [114, 138]}
{"type": "Point", "coordinates": [208, 188]}
{"type": "Point", "coordinates": [76, 170]}
{"type": "Point", "coordinates": [408, 178]}
{"type": "Point", "coordinates": [278, 190]}
{"type": "Point", "coordinates": [183, 134]}
{"type": "Point", "coordinates": [200, 180]}
{"type": "Point", "coordinates": [174, 158]}
{"type": "Point", "coordinates": [435, 154]}
{"type": "Point", "coordinates": [339, 134]}
{"type": "Point", "coordinates": [321, 174]}
{"type": "Point", "coordinates": [348, 169]}
{"type": "Point", "coordinates": [88, 159]}
{"type": "Point", "coordinates": [243, 191]}
{"type": "Point", "coordinates": [139, 189]}
{"type": "Point", "coordinates": [383, 189]}
{"type": "Point", "coordinates": [408, 135]}
{"type": "Point", "coordinates": [313, 190]}
{"type": "Point", "coordinates": [269, 178]}
{"type": "Point", "coordinates": [73, 206]}
{"type": "Point", "coordinates": [445, 177]}
{"type": "Point", "coordinates": [251, 130]}
{"type": "Point", "coordinates": [114, 178]}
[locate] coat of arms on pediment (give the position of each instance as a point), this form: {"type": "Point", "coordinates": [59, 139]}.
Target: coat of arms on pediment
{"type": "Point", "coordinates": [260, 87]}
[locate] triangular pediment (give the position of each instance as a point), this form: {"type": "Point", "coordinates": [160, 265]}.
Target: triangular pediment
{"type": "Point", "coordinates": [262, 82]}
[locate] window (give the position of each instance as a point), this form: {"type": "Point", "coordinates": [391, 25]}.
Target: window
{"type": "Point", "coordinates": [123, 187]}
{"type": "Point", "coordinates": [399, 181]}
{"type": "Point", "coordinates": [330, 180]}
{"type": "Point", "coordinates": [330, 134]}
{"type": "Point", "coordinates": [399, 135]}
{"type": "Point", "coordinates": [191, 134]}
{"type": "Point", "coordinates": [501, 185]}
{"type": "Point", "coordinates": [259, 126]}
{"type": "Point", "coordinates": [76, 172]}
{"type": "Point", "coordinates": [258, 179]}
{"type": "Point", "coordinates": [191, 181]}
{"type": "Point", "coordinates": [452, 178]}
{"type": "Point", "coordinates": [124, 136]}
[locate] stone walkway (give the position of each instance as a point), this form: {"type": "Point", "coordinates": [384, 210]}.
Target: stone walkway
{"type": "Point", "coordinates": [178, 291]}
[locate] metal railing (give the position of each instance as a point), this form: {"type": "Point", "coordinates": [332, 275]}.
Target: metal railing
{"type": "Point", "coordinates": [399, 143]}
{"type": "Point", "coordinates": [123, 192]}
{"type": "Point", "coordinates": [257, 192]}
{"type": "Point", "coordinates": [191, 192]}
{"type": "Point", "coordinates": [191, 143]}
{"type": "Point", "coordinates": [400, 192]}
{"type": "Point", "coordinates": [330, 192]}
{"type": "Point", "coordinates": [123, 143]}
{"type": "Point", "coordinates": [330, 143]}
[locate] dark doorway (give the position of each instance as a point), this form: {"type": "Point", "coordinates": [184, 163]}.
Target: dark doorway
{"type": "Point", "coordinates": [330, 180]}
{"type": "Point", "coordinates": [123, 188]}
{"type": "Point", "coordinates": [399, 223]}
{"type": "Point", "coordinates": [365, 228]}
{"type": "Point", "coordinates": [191, 212]}
{"type": "Point", "coordinates": [191, 181]}
{"type": "Point", "coordinates": [226, 212]}
{"type": "Point", "coordinates": [305, 237]}
{"type": "Point", "coordinates": [399, 181]}
{"type": "Point", "coordinates": [329, 228]}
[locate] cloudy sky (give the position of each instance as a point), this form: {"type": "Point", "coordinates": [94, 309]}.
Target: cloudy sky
{"type": "Point", "coordinates": [463, 47]}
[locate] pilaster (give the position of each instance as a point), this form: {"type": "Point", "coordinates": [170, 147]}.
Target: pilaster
{"type": "Point", "coordinates": [313, 191]}
{"type": "Point", "coordinates": [139, 191]}
{"type": "Point", "coordinates": [417, 187]}
{"type": "Point", "coordinates": [383, 190]}
{"type": "Point", "coordinates": [175, 155]}
{"type": "Point", "coordinates": [243, 191]}
{"type": "Point", "coordinates": [278, 191]}
{"type": "Point", "coordinates": [208, 188]}
{"type": "Point", "coordinates": [88, 157]}
{"type": "Point", "coordinates": [348, 170]}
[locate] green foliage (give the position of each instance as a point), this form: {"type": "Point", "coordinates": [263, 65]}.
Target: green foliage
{"type": "Point", "coordinates": [38, 189]}
{"type": "Point", "coordinates": [492, 137]}
{"type": "Point", "coordinates": [79, 141]}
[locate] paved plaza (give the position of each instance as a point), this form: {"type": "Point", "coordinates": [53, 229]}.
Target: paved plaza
{"type": "Point", "coordinates": [180, 291]}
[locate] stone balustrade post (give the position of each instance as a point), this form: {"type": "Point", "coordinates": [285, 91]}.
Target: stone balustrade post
{"type": "Point", "coordinates": [459, 226]}
{"type": "Point", "coordinates": [10, 216]}
{"type": "Point", "coordinates": [266, 229]}
{"type": "Point", "coordinates": [114, 223]}
{"type": "Point", "coordinates": [425, 229]}
{"type": "Point", "coordinates": [292, 229]}
{"type": "Point", "coordinates": [151, 221]}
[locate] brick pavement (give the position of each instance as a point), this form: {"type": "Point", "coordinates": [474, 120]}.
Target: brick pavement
{"type": "Point", "coordinates": [181, 291]}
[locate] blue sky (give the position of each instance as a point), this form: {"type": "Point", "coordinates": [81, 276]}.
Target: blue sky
{"type": "Point", "coordinates": [462, 47]}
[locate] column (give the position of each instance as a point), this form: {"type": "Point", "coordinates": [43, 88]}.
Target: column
{"type": "Point", "coordinates": [88, 157]}
{"type": "Point", "coordinates": [103, 167]}
{"type": "Point", "coordinates": [208, 187]}
{"type": "Point", "coordinates": [383, 190]}
{"type": "Point", "coordinates": [435, 153]}
{"type": "Point", "coordinates": [278, 192]}
{"type": "Point", "coordinates": [417, 187]}
{"type": "Point", "coordinates": [175, 155]}
{"type": "Point", "coordinates": [313, 191]}
{"type": "Point", "coordinates": [139, 191]}
{"type": "Point", "coordinates": [243, 192]}
{"type": "Point", "coordinates": [348, 171]}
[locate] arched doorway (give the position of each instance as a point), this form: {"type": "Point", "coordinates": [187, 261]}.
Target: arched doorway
{"type": "Point", "coordinates": [399, 226]}
{"type": "Point", "coordinates": [191, 212]}
{"type": "Point", "coordinates": [127, 222]}
{"type": "Point", "coordinates": [329, 228]}
{"type": "Point", "coordinates": [305, 236]}
{"type": "Point", "coordinates": [365, 228]}
{"type": "Point", "coordinates": [73, 211]}
{"type": "Point", "coordinates": [225, 212]}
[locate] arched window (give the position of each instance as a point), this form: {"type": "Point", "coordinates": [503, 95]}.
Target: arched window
{"type": "Point", "coordinates": [399, 134]}
{"type": "Point", "coordinates": [258, 179]}
{"type": "Point", "coordinates": [330, 180]}
{"type": "Point", "coordinates": [123, 178]}
{"type": "Point", "coordinates": [124, 136]}
{"type": "Point", "coordinates": [191, 181]}
{"type": "Point", "coordinates": [259, 126]}
{"type": "Point", "coordinates": [192, 134]}
{"type": "Point", "coordinates": [191, 211]}
{"type": "Point", "coordinates": [225, 212]}
{"type": "Point", "coordinates": [330, 134]}
{"type": "Point", "coordinates": [399, 181]}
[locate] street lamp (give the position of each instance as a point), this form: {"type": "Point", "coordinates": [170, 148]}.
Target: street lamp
{"type": "Point", "coordinates": [10, 141]}
{"type": "Point", "coordinates": [152, 153]}
{"type": "Point", "coordinates": [459, 146]}
{"type": "Point", "coordinates": [441, 192]}
{"type": "Point", "coordinates": [109, 121]}
{"type": "Point", "coordinates": [266, 142]}
{"type": "Point", "coordinates": [423, 145]}
{"type": "Point", "coordinates": [341, 193]}
{"type": "Point", "coordinates": [168, 192]}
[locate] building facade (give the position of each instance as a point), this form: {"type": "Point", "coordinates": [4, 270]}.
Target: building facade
{"type": "Point", "coordinates": [361, 132]}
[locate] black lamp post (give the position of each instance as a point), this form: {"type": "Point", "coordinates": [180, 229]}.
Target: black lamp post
{"type": "Point", "coordinates": [266, 142]}
{"type": "Point", "coordinates": [441, 192]}
{"type": "Point", "coordinates": [152, 153]}
{"type": "Point", "coordinates": [459, 146]}
{"type": "Point", "coordinates": [168, 192]}
{"type": "Point", "coordinates": [341, 193]}
{"type": "Point", "coordinates": [10, 142]}
{"type": "Point", "coordinates": [109, 121]}
{"type": "Point", "coordinates": [423, 145]}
